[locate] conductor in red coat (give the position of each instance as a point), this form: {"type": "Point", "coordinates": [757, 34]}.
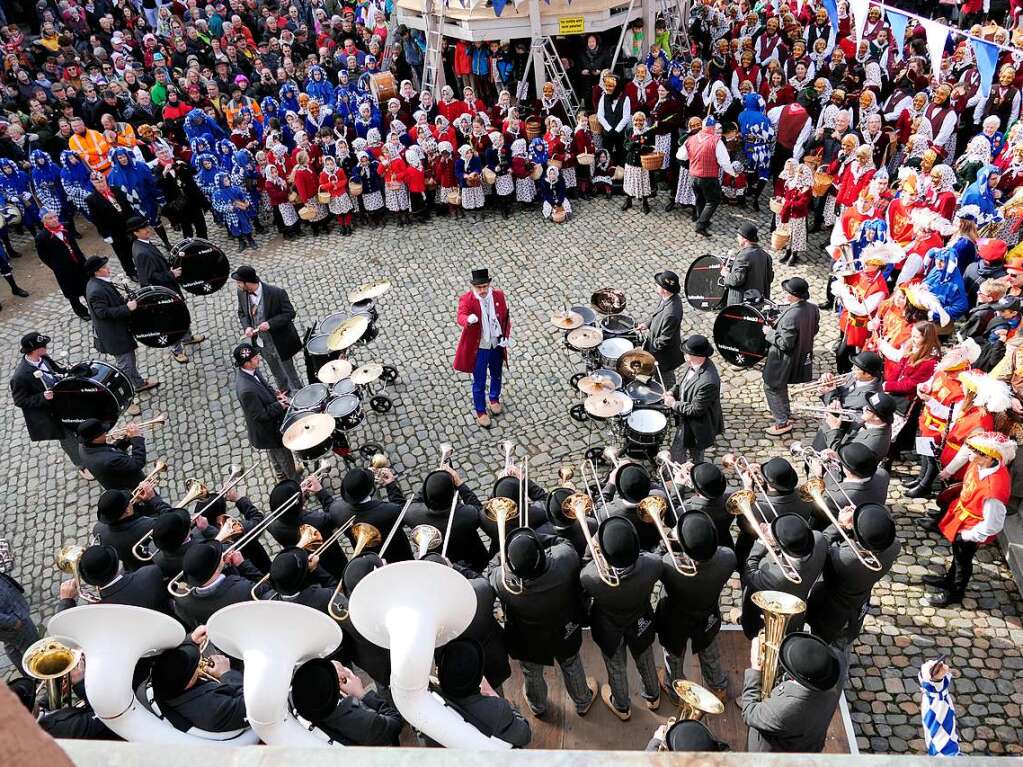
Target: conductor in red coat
{"type": "Point", "coordinates": [483, 345]}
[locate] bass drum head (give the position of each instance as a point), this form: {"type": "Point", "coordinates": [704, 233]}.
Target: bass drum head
{"type": "Point", "coordinates": [204, 266]}
{"type": "Point", "coordinates": [739, 335]}
{"type": "Point", "coordinates": [161, 319]}
{"type": "Point", "coordinates": [104, 393]}
{"type": "Point", "coordinates": [701, 284]}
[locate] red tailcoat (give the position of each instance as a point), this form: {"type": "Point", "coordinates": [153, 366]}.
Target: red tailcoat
{"type": "Point", "coordinates": [469, 341]}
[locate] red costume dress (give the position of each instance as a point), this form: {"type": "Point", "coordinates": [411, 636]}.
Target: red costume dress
{"type": "Point", "coordinates": [963, 425]}
{"type": "Point", "coordinates": [968, 510]}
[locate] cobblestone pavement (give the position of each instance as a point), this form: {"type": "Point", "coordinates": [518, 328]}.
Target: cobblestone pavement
{"type": "Point", "coordinates": [538, 265]}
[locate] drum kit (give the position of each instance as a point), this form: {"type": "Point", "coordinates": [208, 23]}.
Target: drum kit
{"type": "Point", "coordinates": [91, 389]}
{"type": "Point", "coordinates": [620, 385]}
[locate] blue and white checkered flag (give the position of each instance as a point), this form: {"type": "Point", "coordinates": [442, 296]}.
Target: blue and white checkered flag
{"type": "Point", "coordinates": [939, 715]}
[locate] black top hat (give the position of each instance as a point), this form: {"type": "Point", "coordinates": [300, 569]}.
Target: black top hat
{"type": "Point", "coordinates": [438, 490]}
{"type": "Point", "coordinates": [173, 670]}
{"type": "Point", "coordinates": [633, 482]}
{"type": "Point", "coordinates": [91, 428]}
{"type": "Point", "coordinates": [698, 346]}
{"type": "Point", "coordinates": [111, 505]}
{"type": "Point", "coordinates": [690, 735]}
{"type": "Point", "coordinates": [870, 363]}
{"type": "Point", "coordinates": [780, 475]}
{"type": "Point", "coordinates": [289, 571]}
{"type": "Point", "coordinates": [201, 562]}
{"type": "Point", "coordinates": [460, 668]}
{"type": "Point", "coordinates": [882, 405]}
{"type": "Point", "coordinates": [810, 661]}
{"type": "Point", "coordinates": [358, 485]}
{"type": "Point", "coordinates": [555, 515]}
{"type": "Point", "coordinates": [480, 276]}
{"type": "Point", "coordinates": [359, 568]}
{"type": "Point", "coordinates": [99, 565]}
{"type": "Point", "coordinates": [873, 526]}
{"type": "Point", "coordinates": [245, 273]}
{"type": "Point", "coordinates": [525, 554]}
{"type": "Point", "coordinates": [796, 286]}
{"type": "Point", "coordinates": [859, 459]}
{"type": "Point", "coordinates": [135, 223]}
{"type": "Point", "coordinates": [171, 529]}
{"type": "Point", "coordinates": [749, 232]}
{"type": "Point", "coordinates": [793, 534]}
{"type": "Point", "coordinates": [32, 341]}
{"type": "Point", "coordinates": [698, 535]}
{"type": "Point", "coordinates": [243, 353]}
{"type": "Point", "coordinates": [619, 541]}
{"type": "Point", "coordinates": [668, 280]}
{"type": "Point", "coordinates": [94, 263]}
{"type": "Point", "coordinates": [708, 480]}
{"type": "Point", "coordinates": [314, 689]}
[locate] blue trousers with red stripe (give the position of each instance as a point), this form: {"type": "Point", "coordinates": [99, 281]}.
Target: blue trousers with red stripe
{"type": "Point", "coordinates": [487, 360]}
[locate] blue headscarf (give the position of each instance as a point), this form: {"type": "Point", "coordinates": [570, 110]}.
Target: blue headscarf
{"type": "Point", "coordinates": [946, 282]}
{"type": "Point", "coordinates": [207, 177]}
{"type": "Point", "coordinates": [538, 151]}
{"type": "Point", "coordinates": [270, 107]}
{"type": "Point", "coordinates": [224, 152]}
{"type": "Point", "coordinates": [74, 173]}
{"type": "Point", "coordinates": [319, 89]}
{"type": "Point", "coordinates": [137, 181]}
{"type": "Point", "coordinates": [978, 193]}
{"type": "Point", "coordinates": [752, 117]}
{"type": "Point", "coordinates": [13, 185]}
{"type": "Point", "coordinates": [45, 172]}
{"type": "Point", "coordinates": [200, 125]}
{"type": "Point", "coordinates": [288, 95]}
{"type": "Point", "coordinates": [226, 193]}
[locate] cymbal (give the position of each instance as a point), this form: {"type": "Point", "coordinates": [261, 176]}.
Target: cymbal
{"type": "Point", "coordinates": [585, 337]}
{"type": "Point", "coordinates": [368, 373]}
{"type": "Point", "coordinates": [608, 301]}
{"type": "Point", "coordinates": [595, 384]}
{"type": "Point", "coordinates": [308, 432]}
{"type": "Point", "coordinates": [334, 371]}
{"type": "Point", "coordinates": [604, 405]}
{"type": "Point", "coordinates": [370, 290]}
{"type": "Point", "coordinates": [348, 333]}
{"type": "Point", "coordinates": [566, 320]}
{"type": "Point", "coordinates": [635, 364]}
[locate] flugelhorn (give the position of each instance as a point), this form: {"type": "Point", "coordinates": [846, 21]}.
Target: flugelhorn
{"type": "Point", "coordinates": [499, 510]}
{"type": "Point", "coordinates": [115, 435]}
{"type": "Point", "coordinates": [426, 538]}
{"type": "Point", "coordinates": [365, 535]}
{"type": "Point", "coordinates": [51, 660]}
{"type": "Point", "coordinates": [194, 490]}
{"type": "Point", "coordinates": [652, 510]}
{"type": "Point", "coordinates": [579, 506]}
{"type": "Point", "coordinates": [778, 609]}
{"type": "Point", "coordinates": [67, 562]}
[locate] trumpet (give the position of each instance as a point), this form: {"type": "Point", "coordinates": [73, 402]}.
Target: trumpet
{"type": "Point", "coordinates": [578, 506]}
{"type": "Point", "coordinates": [365, 535]}
{"type": "Point", "coordinates": [499, 510]}
{"type": "Point", "coordinates": [817, 388]}
{"type": "Point", "coordinates": [822, 411]}
{"type": "Point", "coordinates": [66, 561]}
{"type": "Point", "coordinates": [116, 435]}
{"type": "Point", "coordinates": [652, 510]}
{"type": "Point", "coordinates": [195, 489]}
{"type": "Point", "coordinates": [152, 478]}
{"type": "Point", "coordinates": [426, 538]}
{"type": "Point", "coordinates": [52, 659]}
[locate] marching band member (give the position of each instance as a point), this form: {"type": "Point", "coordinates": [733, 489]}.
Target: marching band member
{"type": "Point", "coordinates": [689, 614]}
{"type": "Point", "coordinates": [564, 527]}
{"type": "Point", "coordinates": [172, 533]}
{"type": "Point", "coordinates": [210, 588]}
{"type": "Point", "coordinates": [295, 577]}
{"type": "Point", "coordinates": [696, 401]}
{"type": "Point", "coordinates": [790, 352]}
{"type": "Point", "coordinates": [357, 502]}
{"type": "Point", "coordinates": [782, 485]}
{"type": "Point", "coordinates": [101, 568]}
{"type": "Point", "coordinates": [709, 488]}
{"type": "Point", "coordinates": [483, 343]}
{"type": "Point", "coordinates": [752, 268]}
{"type": "Point", "coordinates": [287, 528]}
{"type": "Point", "coordinates": [264, 410]}
{"type": "Point", "coordinates": [864, 481]}
{"type": "Point", "coordinates": [115, 466]}
{"type": "Point", "coordinates": [192, 702]}
{"type": "Point", "coordinates": [686, 735]}
{"type": "Point", "coordinates": [867, 378]}
{"type": "Point", "coordinates": [371, 658]}
{"type": "Point", "coordinates": [123, 518]}
{"type": "Point", "coordinates": [268, 320]}
{"type": "Point", "coordinates": [77, 721]}
{"type": "Point", "coordinates": [663, 331]}
{"type": "Point", "coordinates": [873, 430]}
{"type": "Point", "coordinates": [627, 485]}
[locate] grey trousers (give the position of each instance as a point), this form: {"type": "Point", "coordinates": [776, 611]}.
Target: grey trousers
{"type": "Point", "coordinates": [680, 453]}
{"type": "Point", "coordinates": [69, 444]}
{"type": "Point", "coordinates": [127, 363]}
{"type": "Point", "coordinates": [778, 403]}
{"type": "Point", "coordinates": [283, 370]}
{"type": "Point", "coordinates": [17, 641]}
{"type": "Point", "coordinates": [618, 675]}
{"type": "Point", "coordinates": [710, 666]}
{"type": "Point", "coordinates": [575, 682]}
{"type": "Point", "coordinates": [283, 462]}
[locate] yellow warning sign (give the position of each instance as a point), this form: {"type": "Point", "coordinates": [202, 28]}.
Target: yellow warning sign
{"type": "Point", "coordinates": [571, 25]}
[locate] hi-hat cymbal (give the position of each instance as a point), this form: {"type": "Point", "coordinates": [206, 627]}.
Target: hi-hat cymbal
{"type": "Point", "coordinates": [348, 333]}
{"type": "Point", "coordinates": [334, 371]}
{"type": "Point", "coordinates": [371, 290]}
{"type": "Point", "coordinates": [604, 405]}
{"type": "Point", "coordinates": [585, 338]}
{"type": "Point", "coordinates": [566, 320]}
{"type": "Point", "coordinates": [368, 373]}
{"type": "Point", "coordinates": [308, 432]}
{"type": "Point", "coordinates": [637, 363]}
{"type": "Point", "coordinates": [596, 384]}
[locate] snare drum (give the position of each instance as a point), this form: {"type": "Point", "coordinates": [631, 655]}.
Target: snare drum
{"type": "Point", "coordinates": [646, 427]}
{"type": "Point", "coordinates": [347, 412]}
{"type": "Point", "coordinates": [310, 399]}
{"type": "Point", "coordinates": [343, 387]}
{"type": "Point", "coordinates": [613, 348]}
{"type": "Point", "coordinates": [589, 316]}
{"type": "Point", "coordinates": [330, 323]}
{"type": "Point", "coordinates": [645, 394]}
{"type": "Point", "coordinates": [618, 325]}
{"type": "Point", "coordinates": [318, 353]}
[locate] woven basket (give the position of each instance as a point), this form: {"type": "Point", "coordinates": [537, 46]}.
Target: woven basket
{"type": "Point", "coordinates": [585, 159]}
{"type": "Point", "coordinates": [822, 183]}
{"type": "Point", "coordinates": [776, 204]}
{"type": "Point", "coordinates": [618, 174]}
{"type": "Point", "coordinates": [308, 213]}
{"type": "Point", "coordinates": [558, 215]}
{"type": "Point", "coordinates": [489, 177]}
{"type": "Point", "coordinates": [652, 161]}
{"type": "Point", "coordinates": [780, 238]}
{"type": "Point", "coordinates": [556, 164]}
{"type": "Point", "coordinates": [323, 195]}
{"type": "Point", "coordinates": [537, 172]}
{"type": "Point", "coordinates": [454, 197]}
{"type": "Point", "coordinates": [534, 128]}
{"type": "Point", "coordinates": [355, 188]}
{"type": "Point", "coordinates": [595, 126]}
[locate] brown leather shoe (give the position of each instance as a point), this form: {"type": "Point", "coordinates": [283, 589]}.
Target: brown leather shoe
{"type": "Point", "coordinates": [591, 683]}
{"type": "Point", "coordinates": [181, 357]}
{"type": "Point", "coordinates": [496, 408]}
{"type": "Point", "coordinates": [149, 384]}
{"type": "Point", "coordinates": [196, 339]}
{"type": "Point", "coordinates": [605, 695]}
{"type": "Point", "coordinates": [483, 420]}
{"type": "Point", "coordinates": [134, 409]}
{"type": "Point", "coordinates": [654, 704]}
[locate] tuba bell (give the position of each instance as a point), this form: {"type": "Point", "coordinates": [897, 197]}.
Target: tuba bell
{"type": "Point", "coordinates": [51, 660]}
{"type": "Point", "coordinates": [694, 701]}
{"type": "Point", "coordinates": [67, 562]}
{"type": "Point", "coordinates": [308, 537]}
{"type": "Point", "coordinates": [778, 608]}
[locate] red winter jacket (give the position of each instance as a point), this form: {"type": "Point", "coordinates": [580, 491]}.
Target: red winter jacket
{"type": "Point", "coordinates": [797, 204]}
{"type": "Point", "coordinates": [415, 179]}
{"type": "Point", "coordinates": [306, 183]}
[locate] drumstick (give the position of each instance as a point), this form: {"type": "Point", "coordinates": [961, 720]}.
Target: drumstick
{"type": "Point", "coordinates": [659, 377]}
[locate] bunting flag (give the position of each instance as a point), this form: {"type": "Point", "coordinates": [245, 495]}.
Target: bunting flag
{"type": "Point", "coordinates": [499, 6]}
{"type": "Point", "coordinates": [858, 9]}
{"type": "Point", "coordinates": [987, 62]}
{"type": "Point", "coordinates": [937, 35]}
{"type": "Point", "coordinates": [832, 9]}
{"type": "Point", "coordinates": [898, 22]}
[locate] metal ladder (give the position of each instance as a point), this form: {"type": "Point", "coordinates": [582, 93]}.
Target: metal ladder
{"type": "Point", "coordinates": [556, 74]}
{"type": "Point", "coordinates": [675, 19]}
{"type": "Point", "coordinates": [434, 34]}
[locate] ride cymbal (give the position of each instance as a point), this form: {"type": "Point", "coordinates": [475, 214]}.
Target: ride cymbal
{"type": "Point", "coordinates": [348, 333]}
{"type": "Point", "coordinates": [334, 371]}
{"type": "Point", "coordinates": [368, 373]}
{"type": "Point", "coordinates": [596, 384]}
{"type": "Point", "coordinates": [566, 320]}
{"type": "Point", "coordinates": [370, 291]}
{"type": "Point", "coordinates": [635, 364]}
{"type": "Point", "coordinates": [308, 432]}
{"type": "Point", "coordinates": [585, 338]}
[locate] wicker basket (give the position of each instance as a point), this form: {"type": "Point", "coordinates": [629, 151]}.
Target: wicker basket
{"type": "Point", "coordinates": [776, 204]}
{"type": "Point", "coordinates": [454, 197]}
{"type": "Point", "coordinates": [555, 164]}
{"type": "Point", "coordinates": [534, 128]}
{"type": "Point", "coordinates": [323, 195]}
{"type": "Point", "coordinates": [618, 174]}
{"type": "Point", "coordinates": [652, 161]}
{"type": "Point", "coordinates": [489, 177]}
{"type": "Point", "coordinates": [558, 215]}
{"type": "Point", "coordinates": [822, 183]}
{"type": "Point", "coordinates": [595, 127]}
{"type": "Point", "coordinates": [354, 188]}
{"type": "Point", "coordinates": [585, 159]}
{"type": "Point", "coordinates": [780, 238]}
{"type": "Point", "coordinates": [308, 213]}
{"type": "Point", "coordinates": [537, 172]}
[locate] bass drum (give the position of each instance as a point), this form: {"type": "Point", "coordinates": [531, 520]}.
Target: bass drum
{"type": "Point", "coordinates": [702, 284]}
{"type": "Point", "coordinates": [104, 392]}
{"type": "Point", "coordinates": [161, 319]}
{"type": "Point", "coordinates": [739, 335]}
{"type": "Point", "coordinates": [204, 267]}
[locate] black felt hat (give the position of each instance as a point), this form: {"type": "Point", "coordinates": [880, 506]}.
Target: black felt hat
{"type": "Point", "coordinates": [555, 515]}
{"type": "Point", "coordinates": [698, 535]}
{"type": "Point", "coordinates": [870, 363]}
{"type": "Point", "coordinates": [94, 263]}
{"type": "Point", "coordinates": [668, 280]}
{"type": "Point", "coordinates": [359, 568]}
{"type": "Point", "coordinates": [693, 736]}
{"type": "Point", "coordinates": [619, 541]}
{"type": "Point", "coordinates": [793, 534]}
{"type": "Point", "coordinates": [708, 480]}
{"type": "Point", "coordinates": [245, 273]}
{"type": "Point", "coordinates": [289, 571]}
{"type": "Point", "coordinates": [91, 428]}
{"type": "Point", "coordinates": [810, 661]}
{"type": "Point", "coordinates": [460, 669]}
{"type": "Point", "coordinates": [99, 565]}
{"type": "Point", "coordinates": [506, 487]}
{"type": "Point", "coordinates": [779, 474]}
{"type": "Point", "coordinates": [358, 485]}
{"type": "Point", "coordinates": [282, 493]}
{"type": "Point", "coordinates": [859, 459]}
{"type": "Point", "coordinates": [111, 505]}
{"type": "Point", "coordinates": [438, 490]}
{"type": "Point", "coordinates": [314, 689]}
{"type": "Point", "coordinates": [135, 223]}
{"type": "Point", "coordinates": [698, 346]}
{"type": "Point", "coordinates": [32, 341]}
{"type": "Point", "coordinates": [796, 286]}
{"type": "Point", "coordinates": [480, 276]}
{"type": "Point", "coordinates": [173, 670]}
{"type": "Point", "coordinates": [633, 482]}
{"type": "Point", "coordinates": [873, 526]}
{"type": "Point", "coordinates": [171, 529]}
{"type": "Point", "coordinates": [525, 554]}
{"type": "Point", "coordinates": [882, 405]}
{"type": "Point", "coordinates": [201, 562]}
{"type": "Point", "coordinates": [749, 232]}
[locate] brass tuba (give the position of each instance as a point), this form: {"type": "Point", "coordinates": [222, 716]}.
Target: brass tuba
{"type": "Point", "coordinates": [694, 701]}
{"type": "Point", "coordinates": [52, 659]}
{"type": "Point", "coordinates": [67, 562]}
{"type": "Point", "coordinates": [778, 608]}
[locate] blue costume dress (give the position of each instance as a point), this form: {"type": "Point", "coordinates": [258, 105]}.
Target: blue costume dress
{"type": "Point", "coordinates": [200, 125]}
{"type": "Point", "coordinates": [238, 222]}
{"type": "Point", "coordinates": [17, 190]}
{"type": "Point", "coordinates": [137, 182]}
{"type": "Point", "coordinates": [245, 176]}
{"type": "Point", "coordinates": [49, 191]}
{"type": "Point", "coordinates": [757, 136]}
{"type": "Point", "coordinates": [74, 177]}
{"type": "Point", "coordinates": [979, 194]}
{"type": "Point", "coordinates": [318, 87]}
{"type": "Point", "coordinates": [206, 178]}
{"type": "Point", "coordinates": [946, 282]}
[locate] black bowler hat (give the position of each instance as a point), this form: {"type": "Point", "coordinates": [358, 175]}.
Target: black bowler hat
{"type": "Point", "coordinates": [438, 490]}
{"type": "Point", "coordinates": [173, 670]}
{"type": "Point", "coordinates": [882, 405]}
{"type": "Point", "coordinates": [668, 280]}
{"type": "Point", "coordinates": [793, 534]}
{"type": "Point", "coordinates": [32, 341]}
{"type": "Point", "coordinates": [859, 459]}
{"type": "Point", "coordinates": [698, 535]}
{"type": "Point", "coordinates": [506, 487]}
{"type": "Point", "coordinates": [314, 689]}
{"type": "Point", "coordinates": [284, 492]}
{"type": "Point", "coordinates": [870, 363]}
{"type": "Point", "coordinates": [243, 353]}
{"type": "Point", "coordinates": [525, 554]}
{"type": "Point", "coordinates": [619, 541]}
{"type": "Point", "coordinates": [99, 565]}
{"type": "Point", "coordinates": [111, 505]}
{"type": "Point", "coordinates": [690, 735]}
{"type": "Point", "coordinates": [810, 661]}
{"type": "Point", "coordinates": [780, 475]}
{"type": "Point", "coordinates": [633, 482]}
{"type": "Point", "coordinates": [555, 515]}
{"type": "Point", "coordinates": [873, 526]}
{"type": "Point", "coordinates": [245, 273]}
{"type": "Point", "coordinates": [289, 571]}
{"type": "Point", "coordinates": [91, 428]}
{"type": "Point", "coordinates": [94, 263]}
{"type": "Point", "coordinates": [201, 562]}
{"type": "Point", "coordinates": [749, 232]}
{"type": "Point", "coordinates": [171, 529]}
{"type": "Point", "coordinates": [358, 485]}
{"type": "Point", "coordinates": [796, 286]}
{"type": "Point", "coordinates": [135, 223]}
{"type": "Point", "coordinates": [460, 668]}
{"type": "Point", "coordinates": [698, 346]}
{"type": "Point", "coordinates": [359, 568]}
{"type": "Point", "coordinates": [708, 480]}
{"type": "Point", "coordinates": [480, 276]}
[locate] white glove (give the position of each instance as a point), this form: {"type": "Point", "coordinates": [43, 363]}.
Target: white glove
{"type": "Point", "coordinates": [108, 240]}
{"type": "Point", "coordinates": [473, 319]}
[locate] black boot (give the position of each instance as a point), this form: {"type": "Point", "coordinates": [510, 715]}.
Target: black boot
{"type": "Point", "coordinates": [627, 204]}
{"type": "Point", "coordinates": [14, 287]}
{"type": "Point", "coordinates": [923, 488]}
{"type": "Point", "coordinates": [252, 242]}
{"type": "Point", "coordinates": [646, 205]}
{"type": "Point", "coordinates": [670, 206]}
{"type": "Point", "coordinates": [241, 244]}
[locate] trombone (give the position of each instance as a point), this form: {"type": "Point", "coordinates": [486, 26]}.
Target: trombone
{"type": "Point", "coordinates": [67, 562]}
{"type": "Point", "coordinates": [365, 535]}
{"type": "Point", "coordinates": [814, 489]}
{"type": "Point", "coordinates": [523, 481]}
{"type": "Point", "coordinates": [499, 510]}
{"type": "Point", "coordinates": [822, 411]}
{"type": "Point", "coordinates": [308, 538]}
{"type": "Point", "coordinates": [817, 388]}
{"type": "Point", "coordinates": [578, 506]}
{"type": "Point", "coordinates": [115, 435]}
{"type": "Point", "coordinates": [651, 510]}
